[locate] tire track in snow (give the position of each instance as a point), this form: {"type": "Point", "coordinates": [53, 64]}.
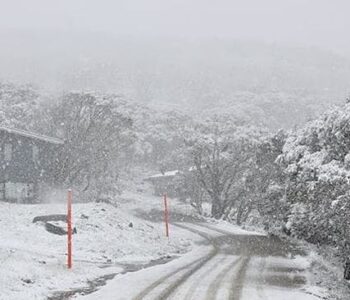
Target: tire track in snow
{"type": "Point", "coordinates": [154, 285]}
{"type": "Point", "coordinates": [222, 231]}
{"type": "Point", "coordinates": [259, 286]}
{"type": "Point", "coordinates": [196, 283]}
{"type": "Point", "coordinates": [216, 284]}
{"type": "Point", "coordinates": [238, 280]}
{"type": "Point", "coordinates": [213, 228]}
{"type": "Point", "coordinates": [175, 284]}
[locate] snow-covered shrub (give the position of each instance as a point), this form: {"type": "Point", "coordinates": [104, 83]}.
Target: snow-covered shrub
{"type": "Point", "coordinates": [316, 162]}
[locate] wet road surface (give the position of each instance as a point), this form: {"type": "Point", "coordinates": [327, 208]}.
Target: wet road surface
{"type": "Point", "coordinates": [226, 266]}
{"type": "Point", "coordinates": [237, 267]}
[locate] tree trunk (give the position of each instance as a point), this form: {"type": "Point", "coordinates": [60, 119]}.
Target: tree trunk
{"type": "Point", "coordinates": [243, 212]}
{"type": "Point", "coordinates": [240, 214]}
{"type": "Point", "coordinates": [216, 209]}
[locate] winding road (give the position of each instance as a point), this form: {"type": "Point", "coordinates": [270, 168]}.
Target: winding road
{"type": "Point", "coordinates": [224, 265]}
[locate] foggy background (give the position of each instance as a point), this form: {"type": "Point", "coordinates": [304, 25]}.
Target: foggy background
{"type": "Point", "coordinates": [280, 61]}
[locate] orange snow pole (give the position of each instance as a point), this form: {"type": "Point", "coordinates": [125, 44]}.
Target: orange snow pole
{"type": "Point", "coordinates": [166, 216]}
{"type": "Point", "coordinates": [69, 228]}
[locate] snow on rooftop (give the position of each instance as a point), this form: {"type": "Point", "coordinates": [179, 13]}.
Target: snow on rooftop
{"type": "Point", "coordinates": [166, 174]}
{"type": "Point", "coordinates": [32, 135]}
{"type": "Point", "coordinates": [170, 173]}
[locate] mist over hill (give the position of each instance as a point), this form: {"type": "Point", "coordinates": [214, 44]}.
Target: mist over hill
{"type": "Point", "coordinates": [271, 84]}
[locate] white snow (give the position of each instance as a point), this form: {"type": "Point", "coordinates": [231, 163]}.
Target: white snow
{"type": "Point", "coordinates": [32, 135]}
{"type": "Point", "coordinates": [198, 284]}
{"type": "Point", "coordinates": [104, 240]}
{"type": "Point", "coordinates": [234, 229]}
{"type": "Point", "coordinates": [28, 252]}
{"type": "Point", "coordinates": [165, 174]}
{"type": "Point", "coordinates": [136, 282]}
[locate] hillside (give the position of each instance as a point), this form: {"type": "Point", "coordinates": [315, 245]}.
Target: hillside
{"type": "Point", "coordinates": [279, 85]}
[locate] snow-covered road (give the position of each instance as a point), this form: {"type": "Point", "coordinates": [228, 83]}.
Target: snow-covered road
{"type": "Point", "coordinates": [227, 263]}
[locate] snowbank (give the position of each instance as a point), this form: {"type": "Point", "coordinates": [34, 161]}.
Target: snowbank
{"type": "Point", "coordinates": [32, 260]}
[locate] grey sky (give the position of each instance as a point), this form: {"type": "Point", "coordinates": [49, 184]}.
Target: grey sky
{"type": "Point", "coordinates": [324, 23]}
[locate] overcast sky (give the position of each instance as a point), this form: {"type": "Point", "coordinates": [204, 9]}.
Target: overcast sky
{"type": "Point", "coordinates": [324, 23]}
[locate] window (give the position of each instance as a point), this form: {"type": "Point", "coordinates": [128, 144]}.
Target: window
{"type": "Point", "coordinates": [35, 153]}
{"type": "Point", "coordinates": [11, 190]}
{"type": "Point", "coordinates": [8, 152]}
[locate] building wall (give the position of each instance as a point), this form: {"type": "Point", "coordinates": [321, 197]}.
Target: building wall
{"type": "Point", "coordinates": [31, 161]}
{"type": "Point", "coordinates": [20, 192]}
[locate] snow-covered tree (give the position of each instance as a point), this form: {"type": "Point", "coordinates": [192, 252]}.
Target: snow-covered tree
{"type": "Point", "coordinates": [221, 155]}
{"type": "Point", "coordinates": [18, 105]}
{"type": "Point", "coordinates": [316, 162]}
{"type": "Point", "coordinates": [96, 136]}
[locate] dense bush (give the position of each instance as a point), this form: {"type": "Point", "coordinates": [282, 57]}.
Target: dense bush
{"type": "Point", "coordinates": [316, 163]}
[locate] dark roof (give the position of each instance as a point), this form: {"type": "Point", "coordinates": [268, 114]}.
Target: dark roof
{"type": "Point", "coordinates": [32, 135]}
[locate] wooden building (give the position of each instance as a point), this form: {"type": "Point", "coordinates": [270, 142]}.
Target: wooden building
{"type": "Point", "coordinates": [27, 161]}
{"type": "Point", "coordinates": [164, 183]}
{"type": "Point", "coordinates": [171, 183]}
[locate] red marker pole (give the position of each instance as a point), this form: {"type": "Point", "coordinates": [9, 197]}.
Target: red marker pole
{"type": "Point", "coordinates": [166, 216]}
{"type": "Point", "coordinates": [69, 228]}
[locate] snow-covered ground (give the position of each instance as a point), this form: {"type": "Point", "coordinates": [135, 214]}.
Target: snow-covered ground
{"type": "Point", "coordinates": [33, 261]}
